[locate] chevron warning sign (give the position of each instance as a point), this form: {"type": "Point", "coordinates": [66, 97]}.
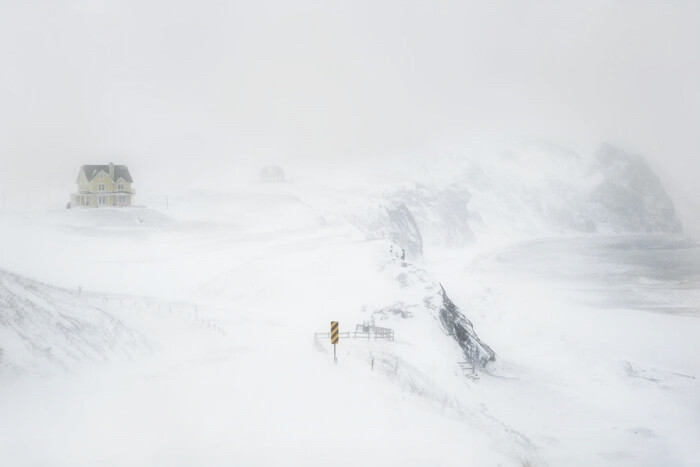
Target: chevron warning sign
{"type": "Point", "coordinates": [335, 331]}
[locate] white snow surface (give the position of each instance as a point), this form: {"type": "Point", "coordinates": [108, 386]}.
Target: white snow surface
{"type": "Point", "coordinates": [185, 335]}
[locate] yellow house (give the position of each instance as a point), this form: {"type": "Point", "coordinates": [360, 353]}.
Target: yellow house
{"type": "Point", "coordinates": [103, 186]}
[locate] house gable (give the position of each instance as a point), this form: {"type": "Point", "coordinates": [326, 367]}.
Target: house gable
{"type": "Point", "coordinates": [126, 186]}
{"type": "Point", "coordinates": [81, 177]}
{"type": "Point", "coordinates": [92, 171]}
{"type": "Point", "coordinates": [101, 179]}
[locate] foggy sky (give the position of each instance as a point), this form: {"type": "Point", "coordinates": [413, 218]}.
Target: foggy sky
{"type": "Point", "coordinates": [196, 85]}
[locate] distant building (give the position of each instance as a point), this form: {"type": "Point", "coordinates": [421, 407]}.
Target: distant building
{"type": "Point", "coordinates": [272, 174]}
{"type": "Point", "coordinates": [102, 186]}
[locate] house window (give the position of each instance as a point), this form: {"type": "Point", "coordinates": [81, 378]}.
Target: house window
{"type": "Point", "coordinates": [101, 199]}
{"type": "Point", "coordinates": [120, 187]}
{"type": "Point", "coordinates": [101, 187]}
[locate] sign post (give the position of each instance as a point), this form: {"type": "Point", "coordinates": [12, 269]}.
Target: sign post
{"type": "Point", "coordinates": [335, 331]}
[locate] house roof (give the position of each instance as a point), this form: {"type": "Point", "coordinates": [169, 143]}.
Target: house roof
{"type": "Point", "coordinates": [119, 171]}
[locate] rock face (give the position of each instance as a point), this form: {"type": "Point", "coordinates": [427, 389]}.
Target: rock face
{"type": "Point", "coordinates": [409, 217]}
{"type": "Point", "coordinates": [455, 324]}
{"type": "Point", "coordinates": [534, 189]}
{"type": "Point", "coordinates": [393, 222]}
{"type": "Point", "coordinates": [631, 195]}
{"type": "Point", "coordinates": [404, 231]}
{"type": "Point", "coordinates": [442, 215]}
{"type": "Point", "coordinates": [422, 308]}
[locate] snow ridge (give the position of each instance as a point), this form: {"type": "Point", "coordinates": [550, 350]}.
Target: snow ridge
{"type": "Point", "coordinates": [42, 327]}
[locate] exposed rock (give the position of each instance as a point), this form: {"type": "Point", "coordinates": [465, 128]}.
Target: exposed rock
{"type": "Point", "coordinates": [455, 324]}
{"type": "Point", "coordinates": [534, 189]}
{"type": "Point", "coordinates": [392, 222]}
{"type": "Point", "coordinates": [421, 304]}
{"type": "Point", "coordinates": [443, 215]}
{"type": "Point", "coordinates": [631, 195]}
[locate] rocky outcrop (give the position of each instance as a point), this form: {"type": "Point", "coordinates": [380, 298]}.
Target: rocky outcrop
{"type": "Point", "coordinates": [411, 216]}
{"type": "Point", "coordinates": [631, 196]}
{"type": "Point", "coordinates": [442, 215]}
{"type": "Point", "coordinates": [531, 189]}
{"type": "Point", "coordinates": [423, 304]}
{"type": "Point", "coordinates": [393, 222]}
{"type": "Point", "coordinates": [455, 324]}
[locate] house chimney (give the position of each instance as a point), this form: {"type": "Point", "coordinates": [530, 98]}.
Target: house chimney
{"type": "Point", "coordinates": [111, 171]}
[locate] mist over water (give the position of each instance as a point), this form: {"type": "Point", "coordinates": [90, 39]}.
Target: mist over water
{"type": "Point", "coordinates": [658, 273]}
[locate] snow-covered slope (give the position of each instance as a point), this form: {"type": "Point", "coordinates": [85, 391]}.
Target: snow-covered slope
{"type": "Point", "coordinates": [532, 189]}
{"type": "Point", "coordinates": [254, 304]}
{"type": "Point", "coordinates": [421, 304]}
{"type": "Point", "coordinates": [597, 344]}
{"type": "Point", "coordinates": [42, 327]}
{"type": "Point", "coordinates": [240, 279]}
{"type": "Point", "coordinates": [630, 197]}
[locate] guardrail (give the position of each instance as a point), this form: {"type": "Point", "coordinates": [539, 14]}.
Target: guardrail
{"type": "Point", "coordinates": [468, 370]}
{"type": "Point", "coordinates": [378, 332]}
{"type": "Point", "coordinates": [385, 333]}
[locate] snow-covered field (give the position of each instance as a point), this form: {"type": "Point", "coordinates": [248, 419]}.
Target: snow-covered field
{"type": "Point", "coordinates": [185, 335]}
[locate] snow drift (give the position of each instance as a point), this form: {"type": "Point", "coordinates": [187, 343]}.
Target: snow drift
{"type": "Point", "coordinates": [43, 327]}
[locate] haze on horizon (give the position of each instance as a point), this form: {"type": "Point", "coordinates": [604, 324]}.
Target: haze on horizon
{"type": "Point", "coordinates": [195, 85]}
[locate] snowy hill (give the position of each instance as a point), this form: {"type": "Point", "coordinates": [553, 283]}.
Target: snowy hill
{"type": "Point", "coordinates": [211, 302]}
{"type": "Point", "coordinates": [42, 327]}
{"type": "Point", "coordinates": [508, 192]}
{"type": "Point", "coordinates": [256, 310]}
